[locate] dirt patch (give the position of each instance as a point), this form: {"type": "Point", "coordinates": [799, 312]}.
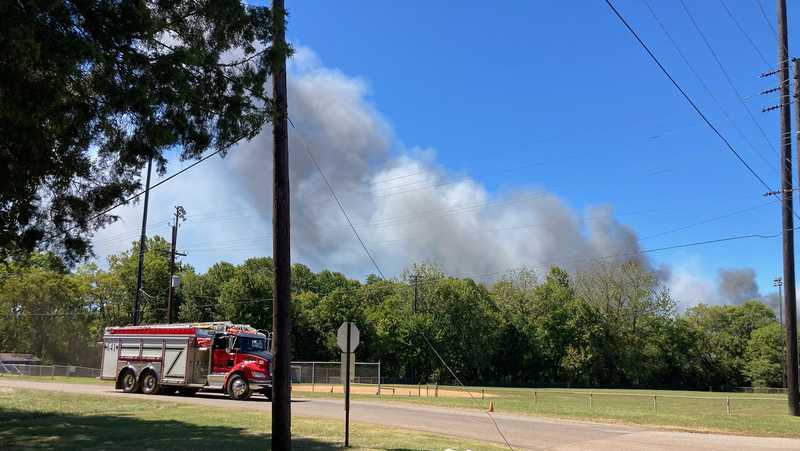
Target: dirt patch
{"type": "Point", "coordinates": [389, 390]}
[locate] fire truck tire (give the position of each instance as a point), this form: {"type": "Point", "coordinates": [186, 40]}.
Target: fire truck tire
{"type": "Point", "coordinates": [150, 383]}
{"type": "Point", "coordinates": [238, 387]}
{"type": "Point", "coordinates": [129, 382]}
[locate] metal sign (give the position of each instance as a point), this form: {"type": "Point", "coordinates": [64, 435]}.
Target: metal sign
{"type": "Point", "coordinates": [347, 337]}
{"type": "Point", "coordinates": [341, 337]}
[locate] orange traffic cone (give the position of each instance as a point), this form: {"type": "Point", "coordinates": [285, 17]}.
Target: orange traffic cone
{"type": "Point", "coordinates": [491, 406]}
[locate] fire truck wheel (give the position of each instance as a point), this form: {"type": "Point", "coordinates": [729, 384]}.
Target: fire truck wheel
{"type": "Point", "coordinates": [129, 382]}
{"type": "Point", "coordinates": [238, 388]}
{"type": "Point", "coordinates": [150, 383]}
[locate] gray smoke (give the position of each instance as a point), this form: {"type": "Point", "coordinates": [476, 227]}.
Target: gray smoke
{"type": "Point", "coordinates": [736, 285]}
{"type": "Point", "coordinates": [404, 205]}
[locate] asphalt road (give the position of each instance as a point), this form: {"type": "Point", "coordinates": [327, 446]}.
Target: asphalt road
{"type": "Point", "coordinates": [524, 432]}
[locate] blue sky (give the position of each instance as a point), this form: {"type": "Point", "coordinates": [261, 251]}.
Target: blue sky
{"type": "Point", "coordinates": [564, 83]}
{"type": "Point", "coordinates": [558, 95]}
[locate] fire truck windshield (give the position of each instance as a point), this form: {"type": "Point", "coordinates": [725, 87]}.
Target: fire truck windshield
{"type": "Point", "coordinates": [250, 344]}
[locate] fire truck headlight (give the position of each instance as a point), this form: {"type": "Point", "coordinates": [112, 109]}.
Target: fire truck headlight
{"type": "Point", "coordinates": [259, 375]}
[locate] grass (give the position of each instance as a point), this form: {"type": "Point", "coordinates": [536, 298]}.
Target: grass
{"type": "Point", "coordinates": [49, 420]}
{"type": "Point", "coordinates": [764, 416]}
{"type": "Point", "coordinates": [751, 414]}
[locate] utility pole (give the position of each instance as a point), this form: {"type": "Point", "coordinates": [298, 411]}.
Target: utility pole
{"type": "Point", "coordinates": [793, 314]}
{"type": "Point", "coordinates": [414, 279]}
{"type": "Point", "coordinates": [778, 282]}
{"type": "Point", "coordinates": [789, 301]}
{"type": "Point", "coordinates": [138, 295]}
{"type": "Point", "coordinates": [180, 213]}
{"type": "Point", "coordinates": [281, 251]}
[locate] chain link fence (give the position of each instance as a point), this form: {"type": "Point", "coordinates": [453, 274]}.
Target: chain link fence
{"type": "Point", "coordinates": [332, 373]}
{"type": "Point", "coordinates": [301, 372]}
{"type": "Point", "coordinates": [48, 370]}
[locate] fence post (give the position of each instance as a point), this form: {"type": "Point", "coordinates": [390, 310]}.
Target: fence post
{"type": "Point", "coordinates": [655, 405]}
{"type": "Point", "coordinates": [482, 394]}
{"type": "Point", "coordinates": [312, 377]}
{"type": "Point", "coordinates": [436, 390]}
{"type": "Point", "coordinates": [52, 372]}
{"type": "Point", "coordinates": [379, 377]}
{"type": "Point", "coordinates": [728, 405]}
{"type": "Point", "coordinates": [590, 400]}
{"type": "Point", "coordinates": [534, 397]}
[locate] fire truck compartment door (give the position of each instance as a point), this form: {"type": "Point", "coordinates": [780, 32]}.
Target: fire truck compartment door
{"type": "Point", "coordinates": [110, 349]}
{"type": "Point", "coordinates": [175, 360]}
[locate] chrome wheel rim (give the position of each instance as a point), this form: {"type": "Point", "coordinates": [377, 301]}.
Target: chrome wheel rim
{"type": "Point", "coordinates": [149, 382]}
{"type": "Point", "coordinates": [129, 381]}
{"type": "Point", "coordinates": [238, 387]}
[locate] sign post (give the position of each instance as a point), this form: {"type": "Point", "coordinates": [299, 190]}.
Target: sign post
{"type": "Point", "coordinates": [347, 337]}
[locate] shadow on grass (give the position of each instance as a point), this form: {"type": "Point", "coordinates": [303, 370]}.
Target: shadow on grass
{"type": "Point", "coordinates": [37, 430]}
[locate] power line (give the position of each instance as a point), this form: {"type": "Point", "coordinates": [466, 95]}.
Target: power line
{"type": "Point", "coordinates": [766, 18]}
{"type": "Point", "coordinates": [636, 253]}
{"type": "Point", "coordinates": [705, 86]}
{"type": "Point", "coordinates": [338, 202]}
{"type": "Point", "coordinates": [746, 35]}
{"type": "Point", "coordinates": [160, 182]}
{"type": "Point", "coordinates": [686, 96]}
{"type": "Point", "coordinates": [363, 246]}
{"type": "Point", "coordinates": [725, 73]}
{"type": "Point", "coordinates": [219, 302]}
{"type": "Point", "coordinates": [595, 218]}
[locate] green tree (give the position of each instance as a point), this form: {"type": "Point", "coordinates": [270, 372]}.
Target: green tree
{"type": "Point", "coordinates": [93, 89]}
{"type": "Point", "coordinates": [199, 293]}
{"type": "Point", "coordinates": [246, 297]}
{"type": "Point", "coordinates": [44, 314]}
{"type": "Point", "coordinates": [725, 331]}
{"type": "Point", "coordinates": [764, 356]}
{"type": "Point", "coordinates": [120, 284]}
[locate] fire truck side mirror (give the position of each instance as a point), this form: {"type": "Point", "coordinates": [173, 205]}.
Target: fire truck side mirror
{"type": "Point", "coordinates": [230, 348]}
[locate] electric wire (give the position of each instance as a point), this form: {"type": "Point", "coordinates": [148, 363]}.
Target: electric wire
{"type": "Point", "coordinates": [705, 86]}
{"type": "Point", "coordinates": [375, 264]}
{"type": "Point", "coordinates": [744, 32]}
{"type": "Point", "coordinates": [637, 253]}
{"type": "Point", "coordinates": [766, 19]}
{"type": "Point", "coordinates": [338, 202]}
{"type": "Point", "coordinates": [726, 74]}
{"type": "Point", "coordinates": [686, 96]}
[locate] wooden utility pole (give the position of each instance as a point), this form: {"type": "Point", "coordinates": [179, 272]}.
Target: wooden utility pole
{"type": "Point", "coordinates": [281, 401]}
{"type": "Point", "coordinates": [142, 244]}
{"type": "Point", "coordinates": [180, 213]}
{"type": "Point", "coordinates": [789, 301]}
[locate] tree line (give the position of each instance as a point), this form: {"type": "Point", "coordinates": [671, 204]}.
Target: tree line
{"type": "Point", "coordinates": [613, 325]}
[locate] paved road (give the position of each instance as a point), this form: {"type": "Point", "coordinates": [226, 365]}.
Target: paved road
{"type": "Point", "coordinates": [523, 432]}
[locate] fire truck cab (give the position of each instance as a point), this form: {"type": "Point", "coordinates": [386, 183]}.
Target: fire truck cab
{"type": "Point", "coordinates": [186, 358]}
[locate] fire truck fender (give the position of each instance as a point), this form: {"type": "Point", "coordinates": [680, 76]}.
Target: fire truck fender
{"type": "Point", "coordinates": [128, 367]}
{"type": "Point", "coordinates": [238, 371]}
{"type": "Point", "coordinates": [149, 367]}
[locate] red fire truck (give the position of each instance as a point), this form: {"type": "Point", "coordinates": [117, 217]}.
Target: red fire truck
{"type": "Point", "coordinates": [186, 358]}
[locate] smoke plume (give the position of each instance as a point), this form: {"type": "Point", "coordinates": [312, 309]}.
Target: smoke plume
{"type": "Point", "coordinates": [736, 285]}
{"type": "Point", "coordinates": [404, 205]}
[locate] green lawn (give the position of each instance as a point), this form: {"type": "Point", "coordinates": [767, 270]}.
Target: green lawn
{"type": "Point", "coordinates": [764, 416]}
{"type": "Point", "coordinates": [49, 420]}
